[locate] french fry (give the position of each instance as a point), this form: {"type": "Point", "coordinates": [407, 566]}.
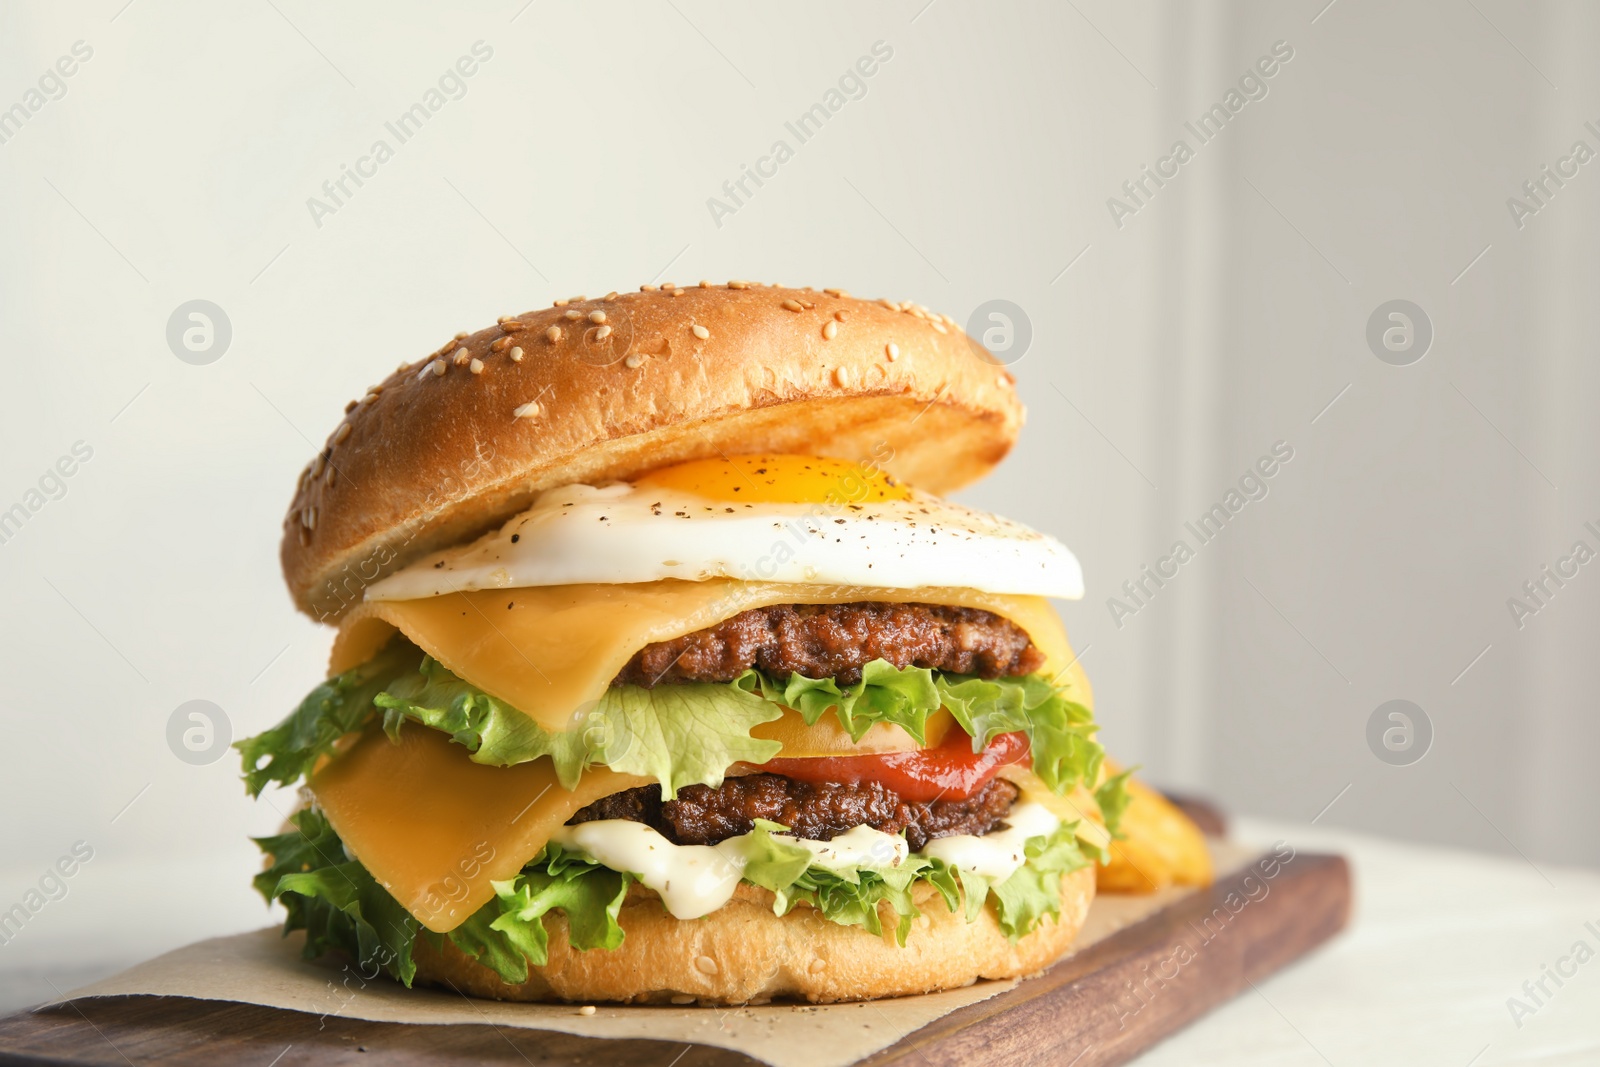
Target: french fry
{"type": "Point", "coordinates": [1159, 847]}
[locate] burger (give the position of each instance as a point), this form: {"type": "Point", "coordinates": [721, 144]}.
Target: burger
{"type": "Point", "coordinates": [665, 673]}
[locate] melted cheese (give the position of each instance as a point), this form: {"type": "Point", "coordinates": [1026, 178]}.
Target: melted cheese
{"type": "Point", "coordinates": [549, 651]}
{"type": "Point", "coordinates": [434, 828]}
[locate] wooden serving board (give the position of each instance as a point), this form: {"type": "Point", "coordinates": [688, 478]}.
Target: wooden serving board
{"type": "Point", "coordinates": [1098, 1007]}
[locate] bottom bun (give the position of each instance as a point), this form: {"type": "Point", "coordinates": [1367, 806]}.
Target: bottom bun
{"type": "Point", "coordinates": [742, 953]}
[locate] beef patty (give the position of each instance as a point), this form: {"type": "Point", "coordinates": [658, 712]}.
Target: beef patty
{"type": "Point", "coordinates": [834, 640]}
{"type": "Point", "coordinates": [820, 811]}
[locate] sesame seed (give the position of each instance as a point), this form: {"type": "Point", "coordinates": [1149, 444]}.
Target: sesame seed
{"type": "Point", "coordinates": [553, 334]}
{"type": "Point", "coordinates": [612, 295]}
{"type": "Point", "coordinates": [937, 325]}
{"type": "Point", "coordinates": [460, 335]}
{"type": "Point", "coordinates": [461, 356]}
{"type": "Point", "coordinates": [309, 517]}
{"type": "Point", "coordinates": [499, 344]}
{"type": "Point", "coordinates": [513, 326]}
{"type": "Point", "coordinates": [597, 316]}
{"type": "Point", "coordinates": [834, 292]}
{"type": "Point", "coordinates": [792, 305]}
{"type": "Point", "coordinates": [572, 314]}
{"type": "Point", "coordinates": [678, 292]}
{"type": "Point", "coordinates": [634, 361]}
{"type": "Point", "coordinates": [830, 330]}
{"type": "Point", "coordinates": [317, 465]}
{"type": "Point", "coordinates": [704, 284]}
{"type": "Point", "coordinates": [602, 332]}
{"type": "Point", "coordinates": [647, 288]}
{"type": "Point", "coordinates": [580, 298]}
{"type": "Point", "coordinates": [705, 965]}
{"type": "Point", "coordinates": [438, 367]}
{"type": "Point", "coordinates": [527, 411]}
{"type": "Point", "coordinates": [668, 285]}
{"type": "Point", "coordinates": [839, 316]}
{"type": "Point", "coordinates": [341, 433]}
{"type": "Point", "coordinates": [587, 1009]}
{"type": "Point", "coordinates": [516, 353]}
{"type": "Point", "coordinates": [817, 965]}
{"type": "Point", "coordinates": [892, 350]}
{"type": "Point", "coordinates": [841, 377]}
{"type": "Point", "coordinates": [348, 408]}
{"type": "Point", "coordinates": [738, 285]}
{"type": "Point", "coordinates": [890, 304]}
{"type": "Point", "coordinates": [559, 303]}
{"type": "Point", "coordinates": [476, 366]}
{"type": "Point", "coordinates": [700, 331]}
{"type": "Point", "coordinates": [375, 389]}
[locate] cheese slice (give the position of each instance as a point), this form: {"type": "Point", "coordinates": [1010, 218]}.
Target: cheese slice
{"type": "Point", "coordinates": [549, 651]}
{"type": "Point", "coordinates": [435, 828]}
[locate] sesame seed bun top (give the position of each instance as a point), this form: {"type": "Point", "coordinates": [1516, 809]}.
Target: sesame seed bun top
{"type": "Point", "coordinates": [599, 390]}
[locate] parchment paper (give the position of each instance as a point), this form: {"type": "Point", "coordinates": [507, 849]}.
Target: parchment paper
{"type": "Point", "coordinates": [265, 968]}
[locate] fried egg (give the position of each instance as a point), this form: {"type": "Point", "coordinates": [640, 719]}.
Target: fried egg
{"type": "Point", "coordinates": [795, 519]}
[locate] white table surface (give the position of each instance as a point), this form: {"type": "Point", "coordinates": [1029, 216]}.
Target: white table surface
{"type": "Point", "coordinates": [1439, 941]}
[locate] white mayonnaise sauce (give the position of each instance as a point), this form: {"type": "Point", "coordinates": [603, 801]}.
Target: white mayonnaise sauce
{"type": "Point", "coordinates": [696, 880]}
{"type": "Point", "coordinates": [997, 854]}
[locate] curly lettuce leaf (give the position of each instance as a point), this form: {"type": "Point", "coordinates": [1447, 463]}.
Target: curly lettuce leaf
{"type": "Point", "coordinates": [335, 900]}
{"type": "Point", "coordinates": [1060, 731]}
{"type": "Point", "coordinates": [341, 907]}
{"type": "Point", "coordinates": [1113, 797]}
{"type": "Point", "coordinates": [339, 706]}
{"type": "Point", "coordinates": [885, 694]}
{"type": "Point", "coordinates": [589, 895]}
{"type": "Point", "coordinates": [681, 734]}
{"type": "Point", "coordinates": [677, 734]}
{"type": "Point", "coordinates": [1033, 891]}
{"type": "Point", "coordinates": [848, 896]}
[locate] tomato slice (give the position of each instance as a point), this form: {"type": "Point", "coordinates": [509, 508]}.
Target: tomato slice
{"type": "Point", "coordinates": [949, 771]}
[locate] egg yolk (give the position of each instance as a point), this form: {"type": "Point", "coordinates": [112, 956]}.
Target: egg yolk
{"type": "Point", "coordinates": [778, 480]}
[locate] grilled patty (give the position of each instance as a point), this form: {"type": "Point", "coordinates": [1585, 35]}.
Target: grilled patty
{"type": "Point", "coordinates": [834, 640]}
{"type": "Point", "coordinates": [820, 811]}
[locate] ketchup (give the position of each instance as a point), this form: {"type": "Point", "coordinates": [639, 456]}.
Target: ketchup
{"type": "Point", "coordinates": [952, 771]}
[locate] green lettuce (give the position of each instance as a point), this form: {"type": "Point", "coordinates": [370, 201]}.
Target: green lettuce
{"type": "Point", "coordinates": [682, 734]}
{"type": "Point", "coordinates": [341, 907]}
{"type": "Point", "coordinates": [1033, 891]}
{"type": "Point", "coordinates": [334, 899]}
{"type": "Point", "coordinates": [677, 734]}
{"type": "Point", "coordinates": [1112, 798]}
{"type": "Point", "coordinates": [1060, 731]}
{"type": "Point", "coordinates": [339, 706]}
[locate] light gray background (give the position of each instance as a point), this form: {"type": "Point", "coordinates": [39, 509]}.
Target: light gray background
{"type": "Point", "coordinates": [1168, 354]}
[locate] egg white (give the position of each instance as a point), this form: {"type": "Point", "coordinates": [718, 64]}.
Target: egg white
{"type": "Point", "coordinates": [622, 533]}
